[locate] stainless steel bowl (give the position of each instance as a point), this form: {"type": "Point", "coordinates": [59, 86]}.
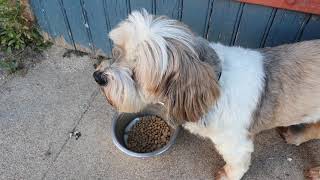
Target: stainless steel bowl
{"type": "Point", "coordinates": [122, 120]}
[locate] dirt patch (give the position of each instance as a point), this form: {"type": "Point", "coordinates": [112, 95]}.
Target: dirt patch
{"type": "Point", "coordinates": [19, 61]}
{"type": "Point", "coordinates": [77, 53]}
{"type": "Point", "coordinates": [96, 59]}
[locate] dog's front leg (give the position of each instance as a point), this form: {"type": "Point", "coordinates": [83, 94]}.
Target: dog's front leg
{"type": "Point", "coordinates": [236, 151]}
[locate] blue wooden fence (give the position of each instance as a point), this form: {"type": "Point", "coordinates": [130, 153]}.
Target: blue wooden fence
{"type": "Point", "coordinates": [84, 24]}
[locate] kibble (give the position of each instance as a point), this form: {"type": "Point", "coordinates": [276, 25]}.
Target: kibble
{"type": "Point", "coordinates": [148, 134]}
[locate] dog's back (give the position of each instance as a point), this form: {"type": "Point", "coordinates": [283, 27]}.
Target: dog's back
{"type": "Point", "coordinates": [292, 86]}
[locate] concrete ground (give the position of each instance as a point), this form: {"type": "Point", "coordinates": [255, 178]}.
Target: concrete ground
{"type": "Point", "coordinates": [58, 95]}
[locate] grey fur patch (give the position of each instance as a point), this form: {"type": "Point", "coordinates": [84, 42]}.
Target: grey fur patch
{"type": "Point", "coordinates": [208, 55]}
{"type": "Point", "coordinates": [292, 90]}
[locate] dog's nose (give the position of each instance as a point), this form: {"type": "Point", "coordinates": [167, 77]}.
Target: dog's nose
{"type": "Point", "coordinates": [100, 78]}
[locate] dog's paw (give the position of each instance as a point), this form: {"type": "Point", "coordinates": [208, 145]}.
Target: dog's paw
{"type": "Point", "coordinates": [313, 173]}
{"type": "Point", "coordinates": [290, 136]}
{"type": "Point", "coordinates": [221, 175]}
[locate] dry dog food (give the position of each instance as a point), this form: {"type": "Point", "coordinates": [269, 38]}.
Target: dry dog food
{"type": "Point", "coordinates": [148, 134]}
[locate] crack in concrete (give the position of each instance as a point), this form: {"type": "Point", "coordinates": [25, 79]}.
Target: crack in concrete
{"type": "Point", "coordinates": [90, 101]}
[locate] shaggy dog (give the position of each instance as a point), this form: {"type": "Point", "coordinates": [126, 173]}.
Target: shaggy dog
{"type": "Point", "coordinates": [227, 94]}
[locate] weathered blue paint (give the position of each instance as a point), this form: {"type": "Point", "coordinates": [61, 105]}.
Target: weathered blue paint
{"type": "Point", "coordinates": [170, 8]}
{"type": "Point", "coordinates": [116, 10]}
{"type": "Point", "coordinates": [98, 25]}
{"type": "Point", "coordinates": [253, 24]}
{"type": "Point", "coordinates": [58, 26]}
{"type": "Point", "coordinates": [77, 23]}
{"type": "Point", "coordinates": [37, 8]}
{"type": "Point", "coordinates": [286, 27]}
{"type": "Point", "coordinates": [195, 15]}
{"type": "Point", "coordinates": [145, 4]}
{"type": "Point", "coordinates": [84, 24]}
{"type": "Point", "coordinates": [236, 24]}
{"type": "Point", "coordinates": [312, 29]}
{"type": "Point", "coordinates": [223, 20]}
{"type": "Point", "coordinates": [268, 27]}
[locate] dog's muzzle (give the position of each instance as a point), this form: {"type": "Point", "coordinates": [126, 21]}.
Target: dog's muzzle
{"type": "Point", "coordinates": [100, 78]}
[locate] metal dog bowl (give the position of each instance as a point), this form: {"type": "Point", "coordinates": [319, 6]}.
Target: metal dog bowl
{"type": "Point", "coordinates": [122, 121]}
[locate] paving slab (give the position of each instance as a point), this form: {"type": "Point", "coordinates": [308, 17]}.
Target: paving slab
{"type": "Point", "coordinates": [94, 156]}
{"type": "Point", "coordinates": [38, 109]}
{"type": "Point", "coordinates": [57, 96]}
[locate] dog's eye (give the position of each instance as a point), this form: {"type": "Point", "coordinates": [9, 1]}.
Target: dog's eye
{"type": "Point", "coordinates": [133, 77]}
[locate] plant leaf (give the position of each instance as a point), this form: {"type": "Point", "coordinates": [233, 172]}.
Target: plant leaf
{"type": "Point", "coordinates": [9, 50]}
{"type": "Point", "coordinates": [11, 42]}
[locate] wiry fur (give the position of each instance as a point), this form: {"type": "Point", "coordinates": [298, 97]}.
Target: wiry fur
{"type": "Point", "coordinates": [161, 60]}
{"type": "Point", "coordinates": [165, 57]}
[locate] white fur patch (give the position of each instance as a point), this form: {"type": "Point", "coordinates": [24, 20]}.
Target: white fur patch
{"type": "Point", "coordinates": [226, 124]}
{"type": "Point", "coordinates": [241, 82]}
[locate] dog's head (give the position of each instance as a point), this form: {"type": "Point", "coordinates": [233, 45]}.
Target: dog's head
{"type": "Point", "coordinates": [157, 59]}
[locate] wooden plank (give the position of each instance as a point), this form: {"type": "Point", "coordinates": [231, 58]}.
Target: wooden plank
{"type": "Point", "coordinates": [194, 14]}
{"type": "Point", "coordinates": [312, 29]}
{"type": "Point", "coordinates": [223, 21]}
{"type": "Point", "coordinates": [58, 26]}
{"type": "Point", "coordinates": [40, 15]}
{"type": "Point", "coordinates": [78, 25]}
{"type": "Point", "coordinates": [286, 27]}
{"type": "Point", "coordinates": [98, 26]}
{"type": "Point", "coordinates": [309, 6]}
{"type": "Point", "coordinates": [253, 24]}
{"type": "Point", "coordinates": [116, 11]}
{"type": "Point", "coordinates": [170, 8]}
{"type": "Point", "coordinates": [139, 4]}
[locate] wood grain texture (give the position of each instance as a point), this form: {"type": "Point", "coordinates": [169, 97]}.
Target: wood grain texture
{"type": "Point", "coordinates": [170, 8]}
{"type": "Point", "coordinates": [98, 26]}
{"type": "Point", "coordinates": [312, 29]}
{"type": "Point", "coordinates": [139, 4]}
{"type": "Point", "coordinates": [57, 22]}
{"type": "Point", "coordinates": [77, 23]}
{"type": "Point", "coordinates": [253, 24]}
{"type": "Point", "coordinates": [223, 20]}
{"type": "Point", "coordinates": [195, 15]}
{"type": "Point", "coordinates": [286, 27]}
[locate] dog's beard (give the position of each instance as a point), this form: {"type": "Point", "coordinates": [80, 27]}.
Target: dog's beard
{"type": "Point", "coordinates": [122, 91]}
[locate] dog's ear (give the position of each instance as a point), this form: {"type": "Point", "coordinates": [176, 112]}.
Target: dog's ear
{"type": "Point", "coordinates": [190, 87]}
{"type": "Point", "coordinates": [191, 92]}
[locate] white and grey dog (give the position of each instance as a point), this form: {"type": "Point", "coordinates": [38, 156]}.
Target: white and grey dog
{"type": "Point", "coordinates": [227, 94]}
